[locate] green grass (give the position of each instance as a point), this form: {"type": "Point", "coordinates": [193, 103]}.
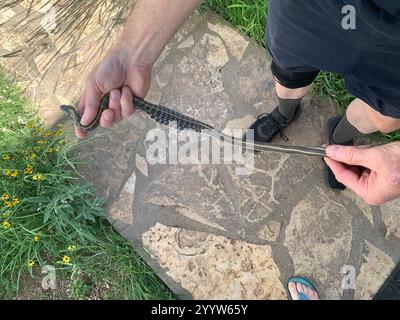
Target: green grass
{"type": "Point", "coordinates": [49, 217]}
{"type": "Point", "coordinates": [250, 17]}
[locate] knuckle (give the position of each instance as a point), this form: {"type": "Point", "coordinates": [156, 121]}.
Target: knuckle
{"type": "Point", "coordinates": [373, 200]}
{"type": "Point", "coordinates": [394, 177]}
{"type": "Point", "coordinates": [351, 155]}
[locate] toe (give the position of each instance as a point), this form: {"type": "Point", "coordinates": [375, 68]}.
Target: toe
{"type": "Point", "coordinates": [293, 291]}
{"type": "Point", "coordinates": [300, 287]}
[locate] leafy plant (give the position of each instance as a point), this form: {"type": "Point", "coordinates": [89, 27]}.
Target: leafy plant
{"type": "Point", "coordinates": [50, 217]}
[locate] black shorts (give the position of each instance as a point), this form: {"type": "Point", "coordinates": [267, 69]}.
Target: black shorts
{"type": "Point", "coordinates": [306, 36]}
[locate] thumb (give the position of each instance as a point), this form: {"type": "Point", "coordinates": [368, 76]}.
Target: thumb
{"type": "Point", "coordinates": [350, 155]}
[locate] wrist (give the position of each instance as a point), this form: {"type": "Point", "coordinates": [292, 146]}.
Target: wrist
{"type": "Point", "coordinates": [131, 55]}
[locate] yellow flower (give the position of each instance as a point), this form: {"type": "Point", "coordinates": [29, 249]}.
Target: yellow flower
{"type": "Point", "coordinates": [8, 204]}
{"type": "Point", "coordinates": [62, 142]}
{"type": "Point", "coordinates": [36, 238]}
{"type": "Point", "coordinates": [59, 132]}
{"type": "Point", "coordinates": [37, 148]}
{"type": "Point", "coordinates": [41, 142]}
{"type": "Point", "coordinates": [5, 197]}
{"type": "Point", "coordinates": [6, 157]}
{"type": "Point", "coordinates": [40, 130]}
{"type": "Point", "coordinates": [6, 225]}
{"type": "Point", "coordinates": [50, 150]}
{"type": "Point", "coordinates": [13, 173]}
{"type": "Point", "coordinates": [30, 125]}
{"type": "Point", "coordinates": [31, 263]}
{"type": "Point", "coordinates": [28, 170]}
{"type": "Point", "coordinates": [33, 156]}
{"type": "Point", "coordinates": [71, 248]}
{"type": "Point", "coordinates": [16, 201]}
{"type": "Point", "coordinates": [47, 134]}
{"type": "Point", "coordinates": [66, 259]}
{"type": "Point", "coordinates": [38, 177]}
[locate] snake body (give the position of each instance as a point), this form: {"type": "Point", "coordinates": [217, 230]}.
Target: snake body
{"type": "Point", "coordinates": [167, 116]}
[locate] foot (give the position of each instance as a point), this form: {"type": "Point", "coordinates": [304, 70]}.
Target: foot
{"type": "Point", "coordinates": [302, 291]}
{"type": "Point", "coordinates": [268, 125]}
{"type": "Point", "coordinates": [330, 178]}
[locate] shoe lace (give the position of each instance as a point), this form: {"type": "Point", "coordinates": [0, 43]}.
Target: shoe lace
{"type": "Point", "coordinates": [277, 125]}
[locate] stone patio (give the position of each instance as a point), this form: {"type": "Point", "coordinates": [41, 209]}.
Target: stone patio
{"type": "Point", "coordinates": [207, 231]}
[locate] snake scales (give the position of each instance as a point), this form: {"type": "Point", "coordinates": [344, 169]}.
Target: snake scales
{"type": "Point", "coordinates": [167, 116]}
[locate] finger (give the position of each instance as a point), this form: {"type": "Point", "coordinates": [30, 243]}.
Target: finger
{"type": "Point", "coordinates": [81, 106]}
{"type": "Point", "coordinates": [115, 104]}
{"type": "Point", "coordinates": [107, 119]}
{"type": "Point", "coordinates": [346, 176]}
{"type": "Point", "coordinates": [80, 134]}
{"type": "Point", "coordinates": [352, 155]}
{"type": "Point", "coordinates": [127, 107]}
{"type": "Point", "coordinates": [92, 103]}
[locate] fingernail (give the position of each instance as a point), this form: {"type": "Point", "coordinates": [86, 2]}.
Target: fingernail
{"type": "Point", "coordinates": [108, 117]}
{"type": "Point", "coordinates": [333, 151]}
{"type": "Point", "coordinates": [113, 95]}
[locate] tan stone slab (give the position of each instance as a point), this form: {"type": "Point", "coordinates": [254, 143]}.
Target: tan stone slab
{"type": "Point", "coordinates": [376, 267]}
{"type": "Point", "coordinates": [141, 165]}
{"type": "Point", "coordinates": [214, 267]}
{"type": "Point", "coordinates": [122, 208]}
{"type": "Point", "coordinates": [236, 43]}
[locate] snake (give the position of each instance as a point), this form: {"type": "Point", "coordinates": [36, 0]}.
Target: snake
{"type": "Point", "coordinates": [167, 116]}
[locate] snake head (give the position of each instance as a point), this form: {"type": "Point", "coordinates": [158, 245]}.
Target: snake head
{"type": "Point", "coordinates": [71, 112]}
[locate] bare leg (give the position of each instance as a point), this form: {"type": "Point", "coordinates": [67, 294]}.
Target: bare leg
{"type": "Point", "coordinates": [366, 120]}
{"type": "Point", "coordinates": [286, 93]}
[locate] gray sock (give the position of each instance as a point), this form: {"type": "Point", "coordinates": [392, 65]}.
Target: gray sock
{"type": "Point", "coordinates": [345, 132]}
{"type": "Point", "coordinates": [288, 107]}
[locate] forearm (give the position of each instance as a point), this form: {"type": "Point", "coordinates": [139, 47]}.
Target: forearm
{"type": "Point", "coordinates": [151, 25]}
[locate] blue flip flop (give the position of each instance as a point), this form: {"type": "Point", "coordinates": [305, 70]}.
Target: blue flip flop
{"type": "Point", "coordinates": [302, 281]}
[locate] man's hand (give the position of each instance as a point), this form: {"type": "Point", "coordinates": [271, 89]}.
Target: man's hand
{"type": "Point", "coordinates": [126, 70]}
{"type": "Point", "coordinates": [120, 77]}
{"type": "Point", "coordinates": [372, 173]}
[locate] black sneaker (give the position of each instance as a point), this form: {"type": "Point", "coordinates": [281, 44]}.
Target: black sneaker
{"type": "Point", "coordinates": [330, 178]}
{"type": "Point", "coordinates": [268, 125]}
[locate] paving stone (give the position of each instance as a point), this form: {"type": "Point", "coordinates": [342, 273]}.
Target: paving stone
{"type": "Point", "coordinates": [214, 267]}
{"type": "Point", "coordinates": [375, 269]}
{"type": "Point", "coordinates": [274, 179]}
{"type": "Point", "coordinates": [270, 231]}
{"type": "Point", "coordinates": [215, 74]}
{"type": "Point", "coordinates": [318, 238]}
{"type": "Point", "coordinates": [391, 219]}
{"type": "Point", "coordinates": [236, 43]}
{"type": "Point", "coordinates": [122, 208]}
{"type": "Point", "coordinates": [211, 206]}
{"type": "Point", "coordinates": [361, 204]}
{"type": "Point", "coordinates": [141, 164]}
{"type": "Point", "coordinates": [114, 147]}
